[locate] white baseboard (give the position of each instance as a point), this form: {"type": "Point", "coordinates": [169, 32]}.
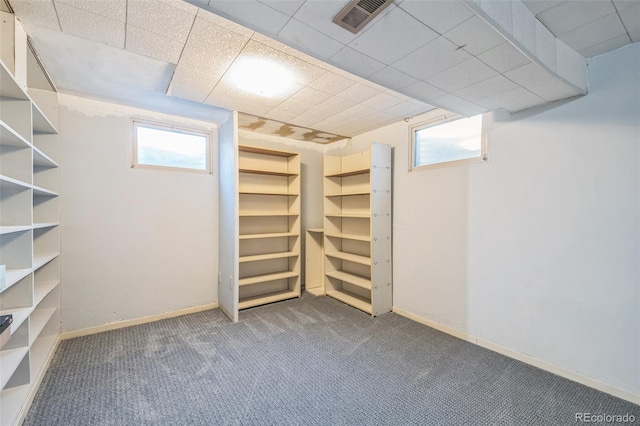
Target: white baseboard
{"type": "Point", "coordinates": [552, 368]}
{"type": "Point", "coordinates": [136, 321]}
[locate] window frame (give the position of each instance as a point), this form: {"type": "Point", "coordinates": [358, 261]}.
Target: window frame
{"type": "Point", "coordinates": [136, 122]}
{"type": "Point", "coordinates": [446, 118]}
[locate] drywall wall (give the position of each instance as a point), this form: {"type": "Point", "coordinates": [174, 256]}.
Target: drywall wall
{"type": "Point", "coordinates": [135, 242]}
{"type": "Point", "coordinates": [536, 250]}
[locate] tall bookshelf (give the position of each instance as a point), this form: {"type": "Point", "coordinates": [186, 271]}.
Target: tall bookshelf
{"type": "Point", "coordinates": [357, 229]}
{"type": "Point", "coordinates": [269, 225]}
{"type": "Point", "coordinates": [29, 239]}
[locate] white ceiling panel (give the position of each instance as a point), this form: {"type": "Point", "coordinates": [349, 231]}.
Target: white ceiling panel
{"type": "Point", "coordinates": [359, 92]}
{"type": "Point", "coordinates": [114, 9]}
{"type": "Point", "coordinates": [294, 107]}
{"type": "Point", "coordinates": [524, 26]}
{"type": "Point", "coordinates": [552, 89]}
{"type": "Point", "coordinates": [454, 103]}
{"type": "Point", "coordinates": [178, 4]}
{"type": "Point", "coordinates": [572, 14]}
{"type": "Point", "coordinates": [393, 78]}
{"type": "Point", "coordinates": [160, 18]}
{"type": "Point", "coordinates": [224, 23]}
{"type": "Point", "coordinates": [527, 74]}
{"type": "Point", "coordinates": [538, 6]}
{"type": "Point", "coordinates": [280, 115]}
{"type": "Point", "coordinates": [288, 7]}
{"type": "Point", "coordinates": [195, 84]}
{"type": "Point", "coordinates": [504, 58]}
{"type": "Point", "coordinates": [509, 97]}
{"type": "Point", "coordinates": [153, 45]}
{"type": "Point", "coordinates": [37, 13]}
{"type": "Point", "coordinates": [407, 108]}
{"type": "Point", "coordinates": [392, 37]}
{"type": "Point", "coordinates": [500, 11]}
{"type": "Point", "coordinates": [546, 46]}
{"type": "Point", "coordinates": [186, 91]}
{"type": "Point", "coordinates": [307, 38]}
{"type": "Point", "coordinates": [90, 26]}
{"type": "Point", "coordinates": [527, 100]}
{"type": "Point", "coordinates": [487, 88]}
{"type": "Point", "coordinates": [441, 16]}
{"type": "Point", "coordinates": [226, 97]}
{"type": "Point", "coordinates": [596, 32]}
{"type": "Point", "coordinates": [251, 13]}
{"type": "Point", "coordinates": [268, 41]}
{"type": "Point", "coordinates": [475, 35]}
{"type": "Point", "coordinates": [332, 83]}
{"type": "Point", "coordinates": [382, 101]}
{"type": "Point", "coordinates": [357, 62]}
{"type": "Point", "coordinates": [631, 17]}
{"type": "Point", "coordinates": [310, 96]}
{"type": "Point", "coordinates": [606, 46]}
{"type": "Point", "coordinates": [462, 75]}
{"type": "Point", "coordinates": [435, 57]}
{"type": "Point", "coordinates": [424, 91]}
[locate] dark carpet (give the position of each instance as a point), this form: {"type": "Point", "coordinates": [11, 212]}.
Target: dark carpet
{"type": "Point", "coordinates": [309, 361]}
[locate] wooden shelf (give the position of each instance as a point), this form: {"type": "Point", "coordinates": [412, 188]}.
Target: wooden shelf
{"type": "Point", "coordinates": [267, 256]}
{"type": "Point", "coordinates": [263, 299]}
{"type": "Point", "coordinates": [256, 279]}
{"type": "Point", "coordinates": [13, 276]}
{"type": "Point", "coordinates": [363, 260]}
{"type": "Point", "coordinates": [12, 229]}
{"type": "Point", "coordinates": [267, 235]}
{"type": "Point", "coordinates": [9, 137]}
{"type": "Point", "coordinates": [266, 151]}
{"type": "Point", "coordinates": [267, 193]}
{"type": "Point", "coordinates": [361, 216]}
{"type": "Point", "coordinates": [42, 259]}
{"type": "Point", "coordinates": [260, 214]}
{"type": "Point", "coordinates": [356, 280]}
{"type": "Point", "coordinates": [349, 173]}
{"type": "Point", "coordinates": [355, 237]}
{"type": "Point", "coordinates": [351, 299]}
{"type": "Point", "coordinates": [9, 361]}
{"type": "Point", "coordinates": [268, 172]}
{"type": "Point", "coordinates": [348, 194]}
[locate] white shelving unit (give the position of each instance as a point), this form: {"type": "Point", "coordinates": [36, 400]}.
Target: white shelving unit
{"type": "Point", "coordinates": [29, 237]}
{"type": "Point", "coordinates": [357, 229]}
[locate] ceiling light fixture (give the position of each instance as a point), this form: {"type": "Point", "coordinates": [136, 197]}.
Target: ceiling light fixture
{"type": "Point", "coordinates": [260, 76]}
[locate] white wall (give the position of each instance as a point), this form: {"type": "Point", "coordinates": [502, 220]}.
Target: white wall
{"type": "Point", "coordinates": [135, 242]}
{"type": "Point", "coordinates": [538, 249]}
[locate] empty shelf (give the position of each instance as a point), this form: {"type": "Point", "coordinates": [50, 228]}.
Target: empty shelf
{"type": "Point", "coordinates": [40, 353]}
{"type": "Point", "coordinates": [349, 173]}
{"type": "Point", "coordinates": [262, 299]}
{"type": "Point", "coordinates": [12, 400]}
{"type": "Point", "coordinates": [44, 192]}
{"type": "Point", "coordinates": [41, 123]}
{"type": "Point", "coordinates": [269, 235]}
{"type": "Point", "coordinates": [45, 225]}
{"type": "Point", "coordinates": [19, 316]}
{"type": "Point", "coordinates": [351, 299]}
{"type": "Point", "coordinates": [9, 88]}
{"type": "Point", "coordinates": [267, 256]}
{"type": "Point", "coordinates": [43, 259]}
{"type": "Point", "coordinates": [356, 258]}
{"type": "Point", "coordinates": [347, 194]}
{"type": "Point", "coordinates": [258, 214]}
{"type": "Point", "coordinates": [267, 277]}
{"type": "Point", "coordinates": [9, 137]}
{"type": "Point", "coordinates": [7, 182]}
{"type": "Point", "coordinates": [42, 289]}
{"type": "Point", "coordinates": [9, 362]}
{"type": "Point", "coordinates": [256, 150]}
{"type": "Point", "coordinates": [363, 216]}
{"type": "Point", "coordinates": [13, 276]}
{"type": "Point", "coordinates": [267, 193]}
{"type": "Point", "coordinates": [268, 172]}
{"type": "Point", "coordinates": [356, 280]}
{"type": "Point", "coordinates": [42, 159]}
{"type": "Point", "coordinates": [11, 229]}
{"type": "Point", "coordinates": [355, 237]}
{"type": "Point", "coordinates": [37, 321]}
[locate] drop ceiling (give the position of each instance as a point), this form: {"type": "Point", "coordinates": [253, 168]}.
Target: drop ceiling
{"type": "Point", "coordinates": [463, 56]}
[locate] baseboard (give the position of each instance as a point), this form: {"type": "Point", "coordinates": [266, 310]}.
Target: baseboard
{"type": "Point", "coordinates": [552, 368]}
{"type": "Point", "coordinates": [136, 321]}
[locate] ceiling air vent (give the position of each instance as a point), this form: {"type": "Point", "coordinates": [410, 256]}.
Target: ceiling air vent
{"type": "Point", "coordinates": [358, 13]}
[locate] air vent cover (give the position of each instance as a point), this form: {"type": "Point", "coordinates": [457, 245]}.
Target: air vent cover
{"type": "Point", "coordinates": [358, 13]}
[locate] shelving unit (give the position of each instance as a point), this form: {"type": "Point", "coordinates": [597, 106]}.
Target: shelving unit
{"type": "Point", "coordinates": [357, 229]}
{"type": "Point", "coordinates": [29, 237]}
{"type": "Point", "coordinates": [269, 226]}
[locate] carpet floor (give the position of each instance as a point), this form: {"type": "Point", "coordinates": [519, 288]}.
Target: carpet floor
{"type": "Point", "coordinates": [309, 361]}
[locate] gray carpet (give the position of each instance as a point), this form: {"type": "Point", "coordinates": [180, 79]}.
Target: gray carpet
{"type": "Point", "coordinates": [302, 362]}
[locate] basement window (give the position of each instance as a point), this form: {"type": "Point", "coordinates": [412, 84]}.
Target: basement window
{"type": "Point", "coordinates": [448, 142]}
{"type": "Point", "coordinates": [157, 145]}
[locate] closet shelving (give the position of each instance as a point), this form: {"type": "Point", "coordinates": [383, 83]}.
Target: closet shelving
{"type": "Point", "coordinates": [29, 240]}
{"type": "Point", "coordinates": [269, 225]}
{"type": "Point", "coordinates": [357, 229]}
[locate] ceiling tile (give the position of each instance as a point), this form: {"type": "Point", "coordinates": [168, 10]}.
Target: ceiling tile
{"type": "Point", "coordinates": [475, 35]}
{"type": "Point", "coordinates": [382, 101]}
{"type": "Point", "coordinates": [358, 93]}
{"type": "Point", "coordinates": [623, 4]}
{"type": "Point", "coordinates": [458, 105]}
{"type": "Point", "coordinates": [188, 92]}
{"type": "Point", "coordinates": [280, 115]}
{"type": "Point", "coordinates": [224, 23]}
{"type": "Point", "coordinates": [510, 97]}
{"type": "Point", "coordinates": [356, 62]}
{"type": "Point", "coordinates": [37, 13]}
{"type": "Point", "coordinates": [504, 57]}
{"type": "Point", "coordinates": [310, 96]}
{"type": "Point", "coordinates": [631, 18]}
{"type": "Point", "coordinates": [394, 36]}
{"type": "Point", "coordinates": [538, 6]}
{"type": "Point", "coordinates": [227, 96]}
{"type": "Point", "coordinates": [552, 89]}
{"type": "Point", "coordinates": [393, 78]}
{"type": "Point", "coordinates": [294, 107]}
{"type": "Point", "coordinates": [197, 84]}
{"type": "Point", "coordinates": [434, 57]}
{"type": "Point", "coordinates": [545, 46]}
{"type": "Point", "coordinates": [114, 9]}
{"type": "Point", "coordinates": [595, 32]}
{"type": "Point", "coordinates": [441, 16]}
{"type": "Point", "coordinates": [524, 26]}
{"type": "Point", "coordinates": [485, 89]}
{"type": "Point", "coordinates": [179, 4]}
{"type": "Point", "coordinates": [252, 14]}
{"type": "Point", "coordinates": [268, 41]}
{"type": "Point", "coordinates": [527, 74]}
{"type": "Point", "coordinates": [571, 65]}
{"type": "Point", "coordinates": [572, 14]}
{"type": "Point", "coordinates": [288, 7]}
{"type": "Point", "coordinates": [331, 83]}
{"type": "Point", "coordinates": [500, 12]}
{"type": "Point", "coordinates": [91, 26]}
{"type": "Point", "coordinates": [405, 109]}
{"type": "Point", "coordinates": [462, 75]}
{"type": "Point", "coordinates": [160, 18]}
{"type": "Point", "coordinates": [309, 39]}
{"type": "Point", "coordinates": [152, 45]}
{"type": "Point", "coordinates": [527, 101]}
{"type": "Point", "coordinates": [424, 91]}
{"type": "Point", "coordinates": [606, 46]}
